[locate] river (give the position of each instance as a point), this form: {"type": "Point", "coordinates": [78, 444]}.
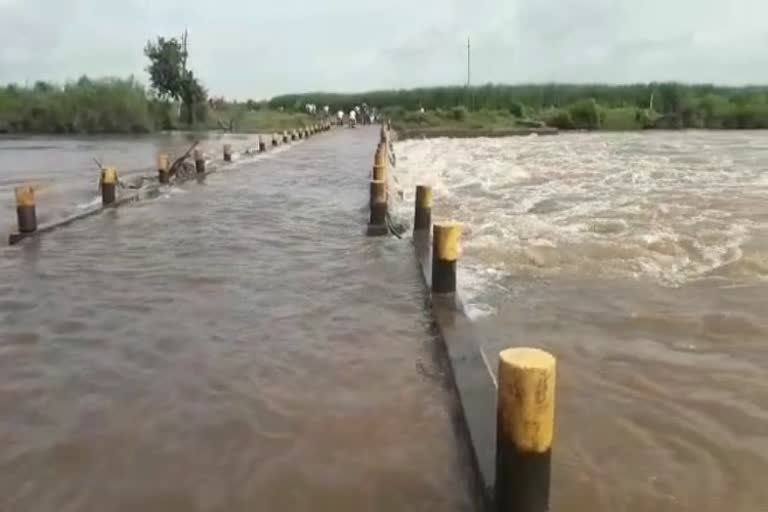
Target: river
{"type": "Point", "coordinates": [641, 261]}
{"type": "Point", "coordinates": [230, 346]}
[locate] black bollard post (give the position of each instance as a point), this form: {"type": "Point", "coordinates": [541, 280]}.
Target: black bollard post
{"type": "Point", "coordinates": [525, 419]}
{"type": "Point", "coordinates": [108, 183]}
{"type": "Point", "coordinates": [378, 205]}
{"type": "Point", "coordinates": [25, 209]}
{"type": "Point", "coordinates": [199, 162]}
{"type": "Point", "coordinates": [445, 252]}
{"type": "Point", "coordinates": [163, 171]}
{"type": "Point", "coordinates": [422, 220]}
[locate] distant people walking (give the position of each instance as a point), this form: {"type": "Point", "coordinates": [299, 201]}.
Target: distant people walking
{"type": "Point", "coordinates": [340, 118]}
{"type": "Point", "coordinates": [352, 118]}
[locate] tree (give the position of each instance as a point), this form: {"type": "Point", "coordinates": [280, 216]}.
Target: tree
{"type": "Point", "coordinates": [585, 114]}
{"type": "Point", "coordinates": [170, 77]}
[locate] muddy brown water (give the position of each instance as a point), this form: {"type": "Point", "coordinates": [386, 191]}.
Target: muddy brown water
{"type": "Point", "coordinates": [232, 346]}
{"type": "Point", "coordinates": [641, 261]}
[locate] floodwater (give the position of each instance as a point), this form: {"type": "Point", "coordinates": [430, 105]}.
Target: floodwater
{"type": "Point", "coordinates": [641, 261]}
{"type": "Point", "coordinates": [236, 345]}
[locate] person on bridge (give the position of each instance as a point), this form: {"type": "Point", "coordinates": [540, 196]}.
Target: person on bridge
{"type": "Point", "coordinates": [340, 117]}
{"type": "Point", "coordinates": [352, 118]}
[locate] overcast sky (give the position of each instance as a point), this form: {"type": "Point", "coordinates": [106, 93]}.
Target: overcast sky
{"type": "Point", "coordinates": [255, 48]}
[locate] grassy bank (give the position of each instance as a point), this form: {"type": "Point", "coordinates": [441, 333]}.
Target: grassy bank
{"type": "Point", "coordinates": [124, 106]}
{"type": "Point", "coordinates": [460, 122]}
{"type": "Point", "coordinates": [243, 118]}
{"type": "Point", "coordinates": [565, 106]}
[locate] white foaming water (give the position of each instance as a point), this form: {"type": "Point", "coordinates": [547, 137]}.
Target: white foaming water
{"type": "Point", "coordinates": [666, 207]}
{"type": "Point", "coordinates": [94, 201]}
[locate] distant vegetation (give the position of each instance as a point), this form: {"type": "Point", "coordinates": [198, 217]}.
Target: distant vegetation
{"type": "Point", "coordinates": [566, 106]}
{"type": "Point", "coordinates": [252, 117]}
{"type": "Point", "coordinates": [178, 101]}
{"type": "Point", "coordinates": [85, 106]}
{"type": "Point", "coordinates": [111, 105]}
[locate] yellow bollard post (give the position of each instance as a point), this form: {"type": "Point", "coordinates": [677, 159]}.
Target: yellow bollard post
{"type": "Point", "coordinates": [380, 173]}
{"type": "Point", "coordinates": [381, 155]}
{"type": "Point", "coordinates": [525, 420]}
{"type": "Point", "coordinates": [108, 185]}
{"type": "Point", "coordinates": [422, 220]}
{"type": "Point", "coordinates": [199, 162]}
{"type": "Point", "coordinates": [445, 253]}
{"type": "Point", "coordinates": [26, 214]}
{"type": "Point", "coordinates": [163, 169]}
{"type": "Point", "coordinates": [378, 204]}
{"type": "Point", "coordinates": [227, 152]}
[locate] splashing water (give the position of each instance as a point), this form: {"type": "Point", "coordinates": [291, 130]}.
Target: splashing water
{"type": "Point", "coordinates": [671, 208]}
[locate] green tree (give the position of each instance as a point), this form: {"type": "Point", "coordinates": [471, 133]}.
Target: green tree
{"type": "Point", "coordinates": [586, 114]}
{"type": "Point", "coordinates": [170, 77]}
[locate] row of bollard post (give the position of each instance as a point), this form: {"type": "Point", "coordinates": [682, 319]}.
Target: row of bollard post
{"type": "Point", "coordinates": [379, 189]}
{"type": "Point", "coordinates": [525, 411]}
{"type": "Point", "coordinates": [108, 182]}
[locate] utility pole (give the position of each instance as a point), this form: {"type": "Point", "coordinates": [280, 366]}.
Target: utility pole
{"type": "Point", "coordinates": [469, 62]}
{"type": "Point", "coordinates": [184, 74]}
{"type": "Point", "coordinates": [469, 75]}
{"type": "Point", "coordinates": [184, 52]}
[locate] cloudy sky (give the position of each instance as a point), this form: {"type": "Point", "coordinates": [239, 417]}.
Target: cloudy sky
{"type": "Point", "coordinates": [257, 48]}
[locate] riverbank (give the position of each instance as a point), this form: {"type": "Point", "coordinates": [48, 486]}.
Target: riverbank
{"type": "Point", "coordinates": [563, 106]}
{"type": "Point", "coordinates": [123, 106]}
{"type": "Point", "coordinates": [240, 118]}
{"type": "Point", "coordinates": [469, 132]}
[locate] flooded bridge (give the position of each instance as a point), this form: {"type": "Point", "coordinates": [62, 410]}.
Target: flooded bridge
{"type": "Point", "coordinates": [234, 345]}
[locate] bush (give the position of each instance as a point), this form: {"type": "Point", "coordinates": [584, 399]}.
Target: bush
{"type": "Point", "coordinates": [394, 113]}
{"type": "Point", "coordinates": [586, 114]}
{"type": "Point", "coordinates": [517, 109]}
{"type": "Point", "coordinates": [413, 117]}
{"type": "Point", "coordinates": [162, 113]}
{"type": "Point", "coordinates": [86, 106]}
{"type": "Point", "coordinates": [558, 118]}
{"type": "Point", "coordinates": [626, 118]}
{"type": "Point", "coordinates": [459, 113]}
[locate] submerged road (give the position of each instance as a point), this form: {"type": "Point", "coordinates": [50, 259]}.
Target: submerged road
{"type": "Point", "coordinates": [233, 346]}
